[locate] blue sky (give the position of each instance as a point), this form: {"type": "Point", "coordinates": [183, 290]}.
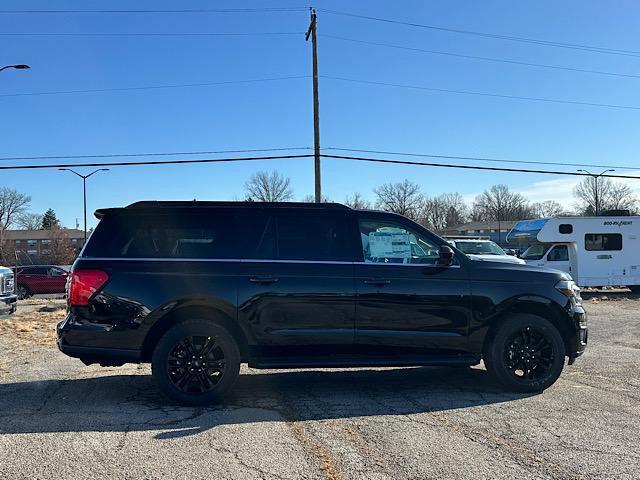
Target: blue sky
{"type": "Point", "coordinates": [279, 113]}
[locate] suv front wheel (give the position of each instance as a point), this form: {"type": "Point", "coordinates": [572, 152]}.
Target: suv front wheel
{"type": "Point", "coordinates": [196, 362]}
{"type": "Point", "coordinates": [526, 353]}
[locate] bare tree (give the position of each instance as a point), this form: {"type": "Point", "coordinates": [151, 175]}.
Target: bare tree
{"type": "Point", "coordinates": [402, 197]}
{"type": "Point", "coordinates": [445, 210]}
{"type": "Point", "coordinates": [312, 199]}
{"type": "Point", "coordinates": [595, 194]}
{"type": "Point", "coordinates": [548, 208]}
{"type": "Point", "coordinates": [268, 187]}
{"type": "Point", "coordinates": [60, 246]}
{"type": "Point", "coordinates": [357, 201]}
{"type": "Point", "coordinates": [29, 221]}
{"type": "Point", "coordinates": [12, 205]}
{"type": "Point", "coordinates": [498, 203]}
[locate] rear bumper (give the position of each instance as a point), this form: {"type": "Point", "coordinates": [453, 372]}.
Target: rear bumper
{"type": "Point", "coordinates": [8, 303]}
{"type": "Point", "coordinates": [72, 341]}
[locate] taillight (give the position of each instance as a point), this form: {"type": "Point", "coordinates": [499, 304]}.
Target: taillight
{"type": "Point", "coordinates": [84, 283]}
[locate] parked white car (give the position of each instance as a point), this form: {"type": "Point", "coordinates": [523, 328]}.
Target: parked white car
{"type": "Point", "coordinates": [484, 250]}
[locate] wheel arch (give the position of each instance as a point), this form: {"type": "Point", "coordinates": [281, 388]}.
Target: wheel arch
{"type": "Point", "coordinates": [531, 305]}
{"type": "Point", "coordinates": [187, 312]}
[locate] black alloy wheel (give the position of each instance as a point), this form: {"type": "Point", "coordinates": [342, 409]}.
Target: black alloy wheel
{"type": "Point", "coordinates": [529, 354]}
{"type": "Point", "coordinates": [196, 362]}
{"type": "Point", "coordinates": [525, 353]}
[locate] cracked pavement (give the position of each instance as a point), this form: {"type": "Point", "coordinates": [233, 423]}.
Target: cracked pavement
{"type": "Point", "coordinates": [60, 419]}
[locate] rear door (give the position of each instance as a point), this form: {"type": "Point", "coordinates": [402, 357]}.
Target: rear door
{"type": "Point", "coordinates": [404, 298]}
{"type": "Point", "coordinates": [297, 287]}
{"type": "Point", "coordinates": [35, 278]}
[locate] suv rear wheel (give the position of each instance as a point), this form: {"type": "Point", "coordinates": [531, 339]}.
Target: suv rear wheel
{"type": "Point", "coordinates": [22, 291]}
{"type": "Point", "coordinates": [196, 362]}
{"type": "Point", "coordinates": [526, 353]}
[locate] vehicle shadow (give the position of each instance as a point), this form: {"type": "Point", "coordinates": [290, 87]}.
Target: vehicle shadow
{"type": "Point", "coordinates": [122, 403]}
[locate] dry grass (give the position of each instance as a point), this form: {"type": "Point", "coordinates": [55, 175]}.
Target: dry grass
{"type": "Point", "coordinates": [32, 327]}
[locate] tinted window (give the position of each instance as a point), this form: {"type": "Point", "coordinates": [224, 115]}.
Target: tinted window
{"type": "Point", "coordinates": [559, 253]}
{"type": "Point", "coordinates": [386, 242]}
{"type": "Point", "coordinates": [163, 236]}
{"type": "Point", "coordinates": [565, 228]}
{"type": "Point", "coordinates": [307, 237]}
{"type": "Point", "coordinates": [34, 271]}
{"type": "Point", "coordinates": [255, 236]}
{"type": "Point", "coordinates": [603, 241]}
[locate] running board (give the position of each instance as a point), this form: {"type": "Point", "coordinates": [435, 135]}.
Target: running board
{"type": "Point", "coordinates": [346, 361]}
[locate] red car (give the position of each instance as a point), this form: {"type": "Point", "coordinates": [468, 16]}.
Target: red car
{"type": "Point", "coordinates": [34, 279]}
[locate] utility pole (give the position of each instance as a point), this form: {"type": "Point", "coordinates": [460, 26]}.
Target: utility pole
{"type": "Point", "coordinates": [316, 104]}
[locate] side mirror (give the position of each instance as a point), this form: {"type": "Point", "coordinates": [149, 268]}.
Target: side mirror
{"type": "Point", "coordinates": [511, 252]}
{"type": "Point", "coordinates": [446, 256]}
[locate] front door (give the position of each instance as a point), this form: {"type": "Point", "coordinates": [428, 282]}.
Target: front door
{"type": "Point", "coordinates": [559, 258]}
{"type": "Point", "coordinates": [404, 298]}
{"type": "Point", "coordinates": [298, 286]}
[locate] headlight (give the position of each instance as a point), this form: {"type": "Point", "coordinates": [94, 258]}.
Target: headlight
{"type": "Point", "coordinates": [569, 289]}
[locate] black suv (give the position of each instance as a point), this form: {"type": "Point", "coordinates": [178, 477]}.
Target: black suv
{"type": "Point", "coordinates": [196, 288]}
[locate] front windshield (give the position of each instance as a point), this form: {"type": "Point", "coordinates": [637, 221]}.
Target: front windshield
{"type": "Point", "coordinates": [479, 248]}
{"type": "Point", "coordinates": [535, 252]}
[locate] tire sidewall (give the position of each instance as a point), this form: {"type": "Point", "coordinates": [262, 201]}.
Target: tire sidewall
{"type": "Point", "coordinates": [189, 328]}
{"type": "Point", "coordinates": [495, 362]}
{"type": "Point", "coordinates": [23, 287]}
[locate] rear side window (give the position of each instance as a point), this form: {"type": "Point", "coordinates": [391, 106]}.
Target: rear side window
{"type": "Point", "coordinates": [603, 241]}
{"type": "Point", "coordinates": [314, 238]}
{"type": "Point", "coordinates": [34, 271]}
{"type": "Point", "coordinates": [163, 236]}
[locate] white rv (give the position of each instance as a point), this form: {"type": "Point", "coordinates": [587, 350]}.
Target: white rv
{"type": "Point", "coordinates": [595, 251]}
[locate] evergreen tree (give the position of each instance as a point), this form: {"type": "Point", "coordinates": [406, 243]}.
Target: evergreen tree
{"type": "Point", "coordinates": [49, 220]}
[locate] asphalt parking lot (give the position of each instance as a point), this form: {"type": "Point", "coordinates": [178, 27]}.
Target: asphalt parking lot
{"type": "Point", "coordinates": [60, 419]}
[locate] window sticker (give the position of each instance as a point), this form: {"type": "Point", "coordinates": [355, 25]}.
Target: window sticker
{"type": "Point", "coordinates": [390, 245]}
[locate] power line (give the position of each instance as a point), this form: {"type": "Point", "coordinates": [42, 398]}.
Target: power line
{"type": "Point", "coordinates": [471, 167]}
{"type": "Point", "coordinates": [151, 162]}
{"type": "Point", "coordinates": [179, 34]}
{"type": "Point", "coordinates": [573, 46]}
{"type": "Point", "coordinates": [191, 10]}
{"type": "Point", "coordinates": [483, 94]}
{"type": "Point", "coordinates": [155, 87]}
{"type": "Point", "coordinates": [284, 157]}
{"type": "Point", "coordinates": [481, 159]}
{"type": "Point", "coordinates": [153, 154]}
{"type": "Point", "coordinates": [486, 59]}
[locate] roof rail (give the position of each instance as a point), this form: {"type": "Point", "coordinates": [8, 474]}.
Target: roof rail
{"type": "Point", "coordinates": [209, 204]}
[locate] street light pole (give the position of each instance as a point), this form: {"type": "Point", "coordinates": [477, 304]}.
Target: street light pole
{"type": "Point", "coordinates": [84, 192]}
{"type": "Point", "coordinates": [16, 67]}
{"type": "Point", "coordinates": [595, 187]}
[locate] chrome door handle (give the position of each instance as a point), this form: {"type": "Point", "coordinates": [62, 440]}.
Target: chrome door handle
{"type": "Point", "coordinates": [377, 281]}
{"type": "Point", "coordinates": [263, 280]}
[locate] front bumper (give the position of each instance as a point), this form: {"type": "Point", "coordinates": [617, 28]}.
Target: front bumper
{"type": "Point", "coordinates": [578, 344]}
{"type": "Point", "coordinates": [8, 303]}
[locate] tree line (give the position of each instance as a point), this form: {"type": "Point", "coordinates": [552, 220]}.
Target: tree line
{"type": "Point", "coordinates": [497, 203]}
{"type": "Point", "coordinates": [15, 214]}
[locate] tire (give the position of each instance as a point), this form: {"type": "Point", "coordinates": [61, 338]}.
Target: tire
{"type": "Point", "coordinates": [22, 291]}
{"type": "Point", "coordinates": [520, 339]}
{"type": "Point", "coordinates": [181, 370]}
